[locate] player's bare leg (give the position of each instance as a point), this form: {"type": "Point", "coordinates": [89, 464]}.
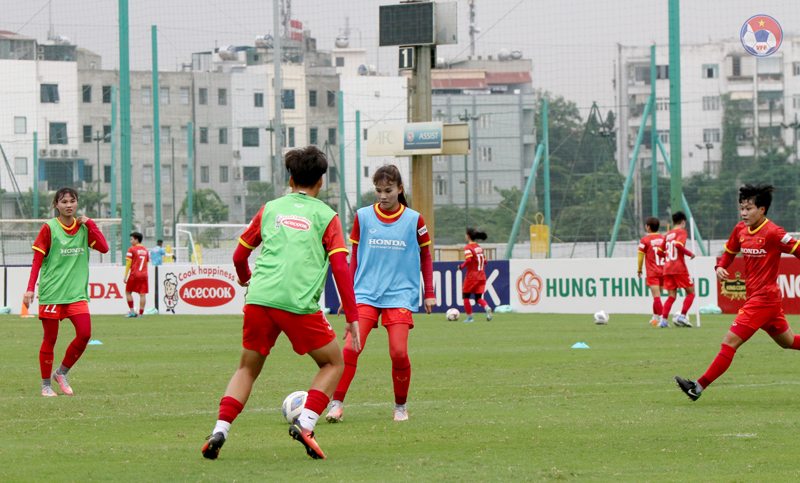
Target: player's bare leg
{"type": "Point", "coordinates": [331, 366]}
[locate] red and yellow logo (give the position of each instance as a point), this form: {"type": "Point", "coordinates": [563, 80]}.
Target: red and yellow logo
{"type": "Point", "coordinates": [529, 287]}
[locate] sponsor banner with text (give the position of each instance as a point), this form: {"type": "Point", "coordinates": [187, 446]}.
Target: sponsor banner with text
{"type": "Point", "coordinates": [732, 292]}
{"type": "Point", "coordinates": [573, 286]}
{"type": "Point", "coordinates": [201, 290]}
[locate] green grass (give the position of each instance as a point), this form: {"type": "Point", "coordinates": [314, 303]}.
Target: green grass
{"type": "Point", "coordinates": [504, 401]}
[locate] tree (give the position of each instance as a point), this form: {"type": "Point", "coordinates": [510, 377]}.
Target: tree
{"type": "Point", "coordinates": [45, 205]}
{"type": "Point", "coordinates": [207, 207]}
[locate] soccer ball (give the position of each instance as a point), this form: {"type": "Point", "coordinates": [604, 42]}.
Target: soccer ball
{"type": "Point", "coordinates": [453, 315]}
{"type": "Point", "coordinates": [676, 314]}
{"type": "Point", "coordinates": [759, 43]}
{"type": "Point", "coordinates": [601, 318]}
{"type": "Point", "coordinates": [293, 405]}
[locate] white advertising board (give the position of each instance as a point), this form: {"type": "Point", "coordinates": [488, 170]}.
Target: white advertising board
{"type": "Point", "coordinates": [574, 286]}
{"type": "Point", "coordinates": [199, 290]}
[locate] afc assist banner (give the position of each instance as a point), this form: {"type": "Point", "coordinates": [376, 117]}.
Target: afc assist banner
{"type": "Point", "coordinates": [447, 282]}
{"type": "Point", "coordinates": [588, 285]}
{"type": "Point", "coordinates": [732, 292]}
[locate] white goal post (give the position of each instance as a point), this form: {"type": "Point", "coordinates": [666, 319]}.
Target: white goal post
{"type": "Point", "coordinates": [206, 243]}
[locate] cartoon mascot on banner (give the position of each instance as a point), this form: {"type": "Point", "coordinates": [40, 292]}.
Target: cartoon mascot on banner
{"type": "Point", "coordinates": [171, 292]}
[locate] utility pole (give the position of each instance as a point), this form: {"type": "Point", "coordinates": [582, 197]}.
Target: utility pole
{"type": "Point", "coordinates": [465, 118]}
{"type": "Point", "coordinates": [422, 164]}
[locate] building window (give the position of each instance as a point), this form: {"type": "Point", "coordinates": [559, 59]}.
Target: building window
{"type": "Point", "coordinates": [202, 94]}
{"type": "Point", "coordinates": [736, 66]}
{"type": "Point", "coordinates": [796, 68]}
{"type": "Point", "coordinates": [331, 99]}
{"type": "Point", "coordinates": [107, 133]}
{"type": "Point", "coordinates": [333, 175]}
{"type": "Point", "coordinates": [485, 154]}
{"type": "Point", "coordinates": [88, 173]}
{"type": "Point", "coordinates": [163, 95]}
{"type": "Point", "coordinates": [20, 165]}
{"type": "Point", "coordinates": [149, 211]}
{"type": "Point", "coordinates": [49, 93]}
{"type": "Point", "coordinates": [258, 99]}
{"type": "Point", "coordinates": [312, 135]}
{"type": "Point", "coordinates": [147, 173]}
{"type": "Point", "coordinates": [332, 136]}
{"type": "Point", "coordinates": [485, 187]}
{"type": "Point", "coordinates": [249, 137]}
{"type": "Point", "coordinates": [166, 173]}
{"type": "Point", "coordinates": [223, 135]}
{"type": "Point", "coordinates": [20, 125]}
{"type": "Point", "coordinates": [440, 187]}
{"type": "Point", "coordinates": [184, 96]}
{"type": "Point", "coordinates": [796, 101]}
{"type": "Point", "coordinates": [366, 171]}
{"type": "Point", "coordinates": [106, 173]}
{"type": "Point", "coordinates": [287, 99]}
{"type": "Point", "coordinates": [185, 134]}
{"type": "Point", "coordinates": [87, 134]}
{"type": "Point", "coordinates": [312, 98]}
{"type": "Point", "coordinates": [223, 174]}
{"type": "Point", "coordinates": [710, 71]}
{"type": "Point", "coordinates": [222, 97]}
{"type": "Point", "coordinates": [204, 174]}
{"type": "Point", "coordinates": [106, 94]}
{"type": "Point", "coordinates": [662, 104]}
{"type": "Point", "coordinates": [339, 61]}
{"type": "Point", "coordinates": [485, 121]}
{"type": "Point", "coordinates": [365, 134]}
{"type": "Point", "coordinates": [165, 134]}
{"type": "Point", "coordinates": [146, 97]}
{"type": "Point", "coordinates": [203, 135]}
{"type": "Point", "coordinates": [87, 93]}
{"type": "Point", "coordinates": [251, 173]}
{"type": "Point", "coordinates": [291, 137]}
{"type": "Point", "coordinates": [711, 136]}
{"type": "Point", "coordinates": [711, 103]}
{"type": "Point", "coordinates": [185, 173]}
{"type": "Point", "coordinates": [58, 133]}
{"type": "Point", "coordinates": [147, 134]}
{"type": "Point", "coordinates": [664, 137]}
{"type": "Point", "coordinates": [166, 209]}
{"type": "Point", "coordinates": [662, 72]}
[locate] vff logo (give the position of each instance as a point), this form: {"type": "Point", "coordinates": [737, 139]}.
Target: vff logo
{"type": "Point", "coordinates": [761, 35]}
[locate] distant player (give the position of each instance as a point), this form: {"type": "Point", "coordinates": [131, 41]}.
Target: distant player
{"type": "Point", "coordinates": [475, 280]}
{"type": "Point", "coordinates": [391, 245]}
{"type": "Point", "coordinates": [61, 251]}
{"type": "Point", "coordinates": [136, 263]}
{"type": "Point", "coordinates": [761, 242]}
{"type": "Point", "coordinates": [299, 234]}
{"type": "Point", "coordinates": [158, 253]}
{"type": "Point", "coordinates": [648, 250]}
{"type": "Point", "coordinates": [675, 274]}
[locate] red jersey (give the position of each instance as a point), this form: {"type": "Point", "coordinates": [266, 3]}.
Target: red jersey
{"type": "Point", "coordinates": [649, 245]}
{"type": "Point", "coordinates": [762, 248]}
{"type": "Point", "coordinates": [674, 263]}
{"type": "Point", "coordinates": [139, 256]}
{"type": "Point", "coordinates": [332, 239]}
{"type": "Point", "coordinates": [475, 261]}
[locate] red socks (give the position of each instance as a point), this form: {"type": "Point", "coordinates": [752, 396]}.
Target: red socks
{"type": "Point", "coordinates": [141, 311]}
{"type": "Point", "coordinates": [687, 303]}
{"type": "Point", "coordinates": [316, 401]}
{"type": "Point", "coordinates": [657, 308]}
{"type": "Point", "coordinates": [796, 343]}
{"type": "Point", "coordinates": [667, 307]}
{"type": "Point", "coordinates": [130, 304]}
{"type": "Point", "coordinates": [350, 363]}
{"type": "Point", "coordinates": [721, 364]}
{"type": "Point", "coordinates": [401, 379]}
{"type": "Point", "coordinates": [467, 307]}
{"type": "Point", "coordinates": [482, 303]}
{"type": "Point", "coordinates": [229, 408]}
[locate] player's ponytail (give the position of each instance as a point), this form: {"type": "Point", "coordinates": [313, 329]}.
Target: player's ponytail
{"type": "Point", "coordinates": [390, 174]}
{"type": "Point", "coordinates": [475, 235]}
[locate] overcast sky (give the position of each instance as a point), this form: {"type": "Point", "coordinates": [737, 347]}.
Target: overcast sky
{"type": "Point", "coordinates": [572, 42]}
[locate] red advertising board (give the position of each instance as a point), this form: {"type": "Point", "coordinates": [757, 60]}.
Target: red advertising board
{"type": "Point", "coordinates": [731, 293]}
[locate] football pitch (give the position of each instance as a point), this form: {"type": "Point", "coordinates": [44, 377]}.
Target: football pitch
{"type": "Point", "coordinates": [507, 400]}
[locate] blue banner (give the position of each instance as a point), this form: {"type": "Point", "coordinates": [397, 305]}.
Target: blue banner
{"type": "Point", "coordinates": [447, 282]}
{"type": "Point", "coordinates": [422, 136]}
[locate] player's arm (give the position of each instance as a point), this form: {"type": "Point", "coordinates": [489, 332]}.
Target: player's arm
{"type": "Point", "coordinates": [426, 264]}
{"type": "Point", "coordinates": [97, 240]}
{"type": "Point", "coordinates": [250, 239]}
{"type": "Point", "coordinates": [683, 250]}
{"type": "Point", "coordinates": [732, 248]}
{"type": "Point", "coordinates": [787, 243]}
{"type": "Point", "coordinates": [41, 247]}
{"type": "Point", "coordinates": [467, 255]}
{"type": "Point", "coordinates": [642, 248]}
{"type": "Point", "coordinates": [128, 263]}
{"type": "Point", "coordinates": [333, 240]}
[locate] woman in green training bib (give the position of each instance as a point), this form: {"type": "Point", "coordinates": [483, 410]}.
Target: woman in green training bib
{"type": "Point", "coordinates": [61, 251]}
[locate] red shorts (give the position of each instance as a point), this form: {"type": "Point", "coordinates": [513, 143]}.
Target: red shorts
{"type": "Point", "coordinates": [655, 281]}
{"type": "Point", "coordinates": [474, 286]}
{"type": "Point", "coordinates": [674, 282]}
{"type": "Point", "coordinates": [136, 285]}
{"type": "Point", "coordinates": [388, 316]}
{"type": "Point", "coordinates": [759, 315]}
{"type": "Point", "coordinates": [63, 311]}
{"type": "Point", "coordinates": [263, 325]}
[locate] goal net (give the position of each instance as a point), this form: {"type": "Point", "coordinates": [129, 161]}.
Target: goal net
{"type": "Point", "coordinates": [17, 237]}
{"type": "Point", "coordinates": [201, 243]}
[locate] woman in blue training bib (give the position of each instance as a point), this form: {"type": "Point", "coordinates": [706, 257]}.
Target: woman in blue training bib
{"type": "Point", "coordinates": [391, 246]}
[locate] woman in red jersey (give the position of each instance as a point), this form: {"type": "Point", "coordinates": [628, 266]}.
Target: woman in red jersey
{"type": "Point", "coordinates": [475, 280]}
{"type": "Point", "coordinates": [391, 245]}
{"type": "Point", "coordinates": [61, 251]}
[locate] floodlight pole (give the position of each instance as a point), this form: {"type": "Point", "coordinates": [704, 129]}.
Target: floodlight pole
{"type": "Point", "coordinates": [422, 164]}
